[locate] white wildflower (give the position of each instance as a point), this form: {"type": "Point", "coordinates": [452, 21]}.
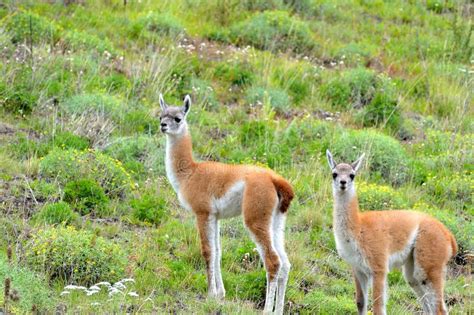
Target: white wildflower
{"type": "Point", "coordinates": [133, 294]}
{"type": "Point", "coordinates": [64, 293]}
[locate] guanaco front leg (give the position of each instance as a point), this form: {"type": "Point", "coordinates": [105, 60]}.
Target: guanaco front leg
{"type": "Point", "coordinates": [379, 292]}
{"type": "Point", "coordinates": [206, 224]}
{"type": "Point", "coordinates": [362, 291]}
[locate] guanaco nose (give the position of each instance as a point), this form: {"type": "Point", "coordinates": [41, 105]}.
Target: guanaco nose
{"type": "Point", "coordinates": [163, 125]}
{"type": "Point", "coordinates": [343, 182]}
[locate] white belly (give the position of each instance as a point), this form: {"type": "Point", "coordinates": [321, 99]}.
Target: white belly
{"type": "Point", "coordinates": [230, 204]}
{"type": "Point", "coordinates": [398, 259]}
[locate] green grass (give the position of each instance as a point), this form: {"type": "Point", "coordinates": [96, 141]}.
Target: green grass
{"type": "Point", "coordinates": [273, 83]}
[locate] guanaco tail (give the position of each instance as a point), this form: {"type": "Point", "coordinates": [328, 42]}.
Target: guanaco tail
{"type": "Point", "coordinates": [374, 242]}
{"type": "Point", "coordinates": [214, 191]}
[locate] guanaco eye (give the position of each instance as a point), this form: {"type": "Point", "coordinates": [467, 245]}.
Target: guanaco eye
{"type": "Point", "coordinates": [177, 119]}
{"type": "Point", "coordinates": [352, 176]}
{"type": "Point", "coordinates": [334, 175]}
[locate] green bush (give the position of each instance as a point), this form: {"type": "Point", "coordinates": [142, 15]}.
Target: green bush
{"type": "Point", "coordinates": [377, 197]}
{"type": "Point", "coordinates": [18, 98]}
{"type": "Point", "coordinates": [236, 73]}
{"type": "Point", "coordinates": [149, 208]}
{"type": "Point", "coordinates": [278, 99]}
{"type": "Point", "coordinates": [78, 40]}
{"type": "Point", "coordinates": [382, 111]}
{"type": "Point", "coordinates": [32, 288]}
{"type": "Point", "coordinates": [101, 103]}
{"type": "Point", "coordinates": [458, 188]}
{"type": "Point", "coordinates": [64, 166]}
{"type": "Point", "coordinates": [385, 156]}
{"type": "Point", "coordinates": [86, 196]}
{"type": "Point", "coordinates": [354, 88]}
{"type": "Point", "coordinates": [139, 155]}
{"type": "Point", "coordinates": [275, 31]}
{"type": "Point", "coordinates": [161, 24]}
{"type": "Point", "coordinates": [75, 256]}
{"type": "Point", "coordinates": [68, 140]}
{"type": "Point", "coordinates": [26, 26]}
{"type": "Point", "coordinates": [362, 89]}
{"type": "Point", "coordinates": [140, 121]}
{"type": "Point", "coordinates": [56, 213]}
{"type": "Point", "coordinates": [44, 190]}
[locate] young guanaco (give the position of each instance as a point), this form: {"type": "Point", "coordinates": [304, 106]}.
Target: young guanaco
{"type": "Point", "coordinates": [374, 242]}
{"type": "Point", "coordinates": [215, 191]}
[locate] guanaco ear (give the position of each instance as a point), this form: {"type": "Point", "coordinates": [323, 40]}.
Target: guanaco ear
{"type": "Point", "coordinates": [187, 104]}
{"type": "Point", "coordinates": [162, 102]}
{"type": "Point", "coordinates": [331, 162]}
{"type": "Point", "coordinates": [358, 163]}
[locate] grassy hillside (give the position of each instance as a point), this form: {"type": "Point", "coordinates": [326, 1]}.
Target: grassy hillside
{"type": "Point", "coordinates": [83, 192]}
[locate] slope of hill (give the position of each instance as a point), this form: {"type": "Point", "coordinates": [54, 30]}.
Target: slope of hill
{"type": "Point", "coordinates": [83, 192]}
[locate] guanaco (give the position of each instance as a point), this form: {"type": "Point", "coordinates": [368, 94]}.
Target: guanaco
{"type": "Point", "coordinates": [374, 242]}
{"type": "Point", "coordinates": [214, 191]}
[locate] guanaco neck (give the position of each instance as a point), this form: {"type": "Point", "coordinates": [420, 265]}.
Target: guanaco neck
{"type": "Point", "coordinates": [179, 158]}
{"type": "Point", "coordinates": [346, 211]}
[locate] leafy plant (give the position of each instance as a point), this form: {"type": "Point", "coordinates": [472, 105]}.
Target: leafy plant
{"type": "Point", "coordinates": [86, 196]}
{"type": "Point", "coordinates": [27, 26]}
{"type": "Point", "coordinates": [56, 213]}
{"type": "Point", "coordinates": [71, 165]}
{"type": "Point", "coordinates": [275, 31]}
{"type": "Point", "coordinates": [149, 208]}
{"type": "Point", "coordinates": [161, 24]}
{"type": "Point", "coordinates": [378, 197]}
{"type": "Point", "coordinates": [278, 99]}
{"type": "Point", "coordinates": [75, 256]}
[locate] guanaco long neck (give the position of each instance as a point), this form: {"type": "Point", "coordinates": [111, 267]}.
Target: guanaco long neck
{"type": "Point", "coordinates": [179, 158]}
{"type": "Point", "coordinates": [346, 211]}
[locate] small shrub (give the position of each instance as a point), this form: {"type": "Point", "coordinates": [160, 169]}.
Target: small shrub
{"type": "Point", "coordinates": [203, 93]}
{"type": "Point", "coordinates": [139, 155]}
{"type": "Point", "coordinates": [377, 197]}
{"type": "Point", "coordinates": [278, 99]}
{"type": "Point", "coordinates": [149, 208]}
{"type": "Point", "coordinates": [458, 188]}
{"type": "Point", "coordinates": [385, 156]}
{"type": "Point", "coordinates": [161, 24]}
{"type": "Point", "coordinates": [56, 213]}
{"type": "Point", "coordinates": [64, 166]}
{"type": "Point", "coordinates": [86, 196]}
{"type": "Point", "coordinates": [77, 40]}
{"type": "Point", "coordinates": [44, 190]}
{"type": "Point", "coordinates": [355, 88]}
{"type": "Point", "coordinates": [100, 103]}
{"type": "Point", "coordinates": [382, 111]}
{"type": "Point", "coordinates": [68, 140]}
{"type": "Point", "coordinates": [275, 31]}
{"type": "Point", "coordinates": [32, 288]}
{"type": "Point", "coordinates": [140, 121]}
{"type": "Point", "coordinates": [17, 98]}
{"type": "Point", "coordinates": [236, 73]}
{"type": "Point", "coordinates": [75, 256]}
{"type": "Point", "coordinates": [18, 24]}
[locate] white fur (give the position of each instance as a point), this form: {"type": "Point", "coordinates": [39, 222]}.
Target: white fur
{"type": "Point", "coordinates": [398, 259]}
{"type": "Point", "coordinates": [171, 173]}
{"type": "Point", "coordinates": [278, 227]}
{"type": "Point", "coordinates": [230, 204]}
{"type": "Point", "coordinates": [346, 245]}
{"type": "Point", "coordinates": [211, 236]}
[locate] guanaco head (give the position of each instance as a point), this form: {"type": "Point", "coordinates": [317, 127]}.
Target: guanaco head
{"type": "Point", "coordinates": [343, 174]}
{"type": "Point", "coordinates": [173, 118]}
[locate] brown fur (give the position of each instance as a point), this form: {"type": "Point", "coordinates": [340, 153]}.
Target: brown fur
{"type": "Point", "coordinates": [425, 244]}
